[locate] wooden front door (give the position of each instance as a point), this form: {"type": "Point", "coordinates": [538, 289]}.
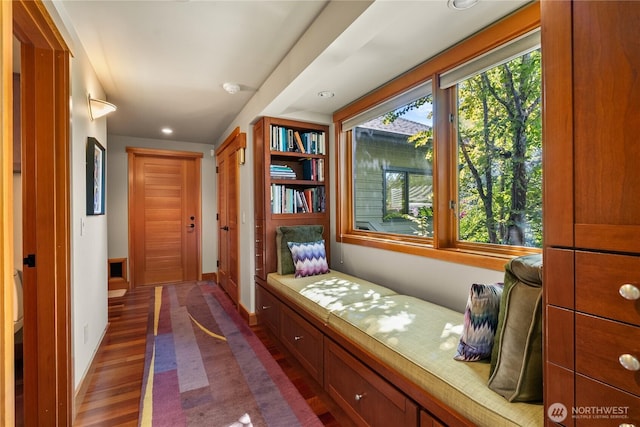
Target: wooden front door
{"type": "Point", "coordinates": [164, 216]}
{"type": "Point", "coordinates": [227, 161]}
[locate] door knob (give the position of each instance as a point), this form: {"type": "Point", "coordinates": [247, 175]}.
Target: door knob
{"type": "Point", "coordinates": [225, 228]}
{"type": "Point", "coordinates": [191, 226]}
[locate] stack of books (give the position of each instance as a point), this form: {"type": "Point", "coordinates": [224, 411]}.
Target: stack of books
{"type": "Point", "coordinates": [281, 172]}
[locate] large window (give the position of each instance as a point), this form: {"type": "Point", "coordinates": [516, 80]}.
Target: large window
{"type": "Point", "coordinates": [451, 171]}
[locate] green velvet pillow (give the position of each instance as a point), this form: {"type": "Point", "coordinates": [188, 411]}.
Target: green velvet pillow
{"type": "Point", "coordinates": [516, 359]}
{"type": "Point", "coordinates": [298, 234]}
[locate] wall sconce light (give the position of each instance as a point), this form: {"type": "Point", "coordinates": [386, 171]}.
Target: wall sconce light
{"type": "Point", "coordinates": [241, 158]}
{"type": "Point", "coordinates": [461, 4]}
{"type": "Point", "coordinates": [99, 108]}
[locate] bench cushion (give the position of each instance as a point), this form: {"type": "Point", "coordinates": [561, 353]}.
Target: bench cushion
{"type": "Point", "coordinates": [324, 293]}
{"type": "Point", "coordinates": [418, 340]}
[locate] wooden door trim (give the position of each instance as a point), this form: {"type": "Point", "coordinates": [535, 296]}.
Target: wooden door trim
{"type": "Point", "coordinates": [133, 153]}
{"type": "Point", "coordinates": [7, 416]}
{"type": "Point", "coordinates": [240, 143]}
{"type": "Point", "coordinates": [45, 107]}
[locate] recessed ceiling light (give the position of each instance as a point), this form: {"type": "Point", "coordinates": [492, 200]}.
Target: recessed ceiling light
{"type": "Point", "coordinates": [326, 94]}
{"type": "Point", "coordinates": [167, 131]}
{"type": "Point", "coordinates": [461, 4]}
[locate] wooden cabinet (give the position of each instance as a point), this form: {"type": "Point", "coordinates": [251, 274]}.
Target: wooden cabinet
{"type": "Point", "coordinates": [304, 341]}
{"type": "Point", "coordinates": [268, 310]}
{"type": "Point", "coordinates": [623, 408]}
{"type": "Point", "coordinates": [291, 182]}
{"type": "Point", "coordinates": [367, 398]}
{"type": "Point", "coordinates": [606, 122]}
{"type": "Point", "coordinates": [591, 223]}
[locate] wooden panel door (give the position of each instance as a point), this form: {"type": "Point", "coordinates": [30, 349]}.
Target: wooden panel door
{"type": "Point", "coordinates": [227, 162]}
{"type": "Point", "coordinates": [223, 230]}
{"type": "Point", "coordinates": [164, 217]}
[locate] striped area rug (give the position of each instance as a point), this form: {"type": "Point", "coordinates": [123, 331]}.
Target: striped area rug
{"type": "Point", "coordinates": [205, 367]}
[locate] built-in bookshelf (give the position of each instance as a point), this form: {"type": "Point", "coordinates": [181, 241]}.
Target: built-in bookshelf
{"type": "Point", "coordinates": [291, 180]}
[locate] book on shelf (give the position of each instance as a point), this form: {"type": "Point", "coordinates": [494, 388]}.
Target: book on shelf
{"type": "Point", "coordinates": [290, 200]}
{"type": "Point", "coordinates": [313, 169]}
{"type": "Point", "coordinates": [299, 143]}
{"type": "Point", "coordinates": [290, 140]}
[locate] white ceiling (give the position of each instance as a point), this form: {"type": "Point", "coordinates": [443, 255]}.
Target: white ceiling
{"type": "Point", "coordinates": [163, 62]}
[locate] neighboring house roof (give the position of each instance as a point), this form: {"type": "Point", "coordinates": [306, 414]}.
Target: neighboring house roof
{"type": "Point", "coordinates": [398, 126]}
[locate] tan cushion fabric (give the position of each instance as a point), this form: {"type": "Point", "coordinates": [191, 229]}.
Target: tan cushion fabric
{"type": "Point", "coordinates": [324, 293]}
{"type": "Point", "coordinates": [418, 339]}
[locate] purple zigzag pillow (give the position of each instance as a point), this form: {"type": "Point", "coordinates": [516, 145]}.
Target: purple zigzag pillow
{"type": "Point", "coordinates": [309, 259]}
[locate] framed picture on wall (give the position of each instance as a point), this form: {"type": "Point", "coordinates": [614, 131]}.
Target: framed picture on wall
{"type": "Point", "coordinates": [96, 161]}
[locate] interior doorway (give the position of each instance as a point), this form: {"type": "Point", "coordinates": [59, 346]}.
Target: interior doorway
{"type": "Point", "coordinates": [44, 126]}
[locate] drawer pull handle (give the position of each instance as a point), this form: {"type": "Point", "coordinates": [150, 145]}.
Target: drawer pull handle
{"type": "Point", "coordinates": [266, 307]}
{"type": "Point", "coordinates": [297, 338]}
{"type": "Point", "coordinates": [630, 292]}
{"type": "Point", "coordinates": [629, 362]}
{"type": "Point", "coordinates": [359, 397]}
{"type": "Point", "coordinates": [627, 425]}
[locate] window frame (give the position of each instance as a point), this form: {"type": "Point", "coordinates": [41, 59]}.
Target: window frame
{"type": "Point", "coordinates": [406, 186]}
{"type": "Point", "coordinates": [443, 244]}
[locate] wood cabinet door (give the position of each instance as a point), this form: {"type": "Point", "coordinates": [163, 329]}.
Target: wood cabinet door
{"type": "Point", "coordinates": [607, 125]}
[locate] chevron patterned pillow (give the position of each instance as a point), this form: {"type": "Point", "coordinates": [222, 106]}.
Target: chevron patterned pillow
{"type": "Point", "coordinates": [480, 322]}
{"type": "Point", "coordinates": [309, 259]}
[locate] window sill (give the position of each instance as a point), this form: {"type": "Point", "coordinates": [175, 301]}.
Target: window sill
{"type": "Point", "coordinates": [475, 257]}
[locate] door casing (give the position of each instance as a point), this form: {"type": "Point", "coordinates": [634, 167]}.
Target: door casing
{"type": "Point", "coordinates": [48, 384]}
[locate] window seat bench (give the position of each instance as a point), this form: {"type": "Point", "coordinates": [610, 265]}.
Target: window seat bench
{"type": "Point", "coordinates": [385, 358]}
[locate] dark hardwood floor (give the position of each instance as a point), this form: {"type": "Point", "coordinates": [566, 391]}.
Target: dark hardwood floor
{"type": "Point", "coordinates": [113, 393]}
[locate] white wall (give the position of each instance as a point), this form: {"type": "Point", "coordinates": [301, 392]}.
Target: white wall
{"type": "Point", "coordinates": [88, 233]}
{"type": "Point", "coordinates": [117, 193]}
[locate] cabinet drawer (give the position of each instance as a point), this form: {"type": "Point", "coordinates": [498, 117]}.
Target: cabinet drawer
{"type": "Point", "coordinates": [303, 340]}
{"type": "Point", "coordinates": [368, 399]}
{"type": "Point", "coordinates": [599, 278]}
{"type": "Point", "coordinates": [268, 310]}
{"type": "Point", "coordinates": [613, 407]}
{"type": "Point", "coordinates": [599, 345]}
